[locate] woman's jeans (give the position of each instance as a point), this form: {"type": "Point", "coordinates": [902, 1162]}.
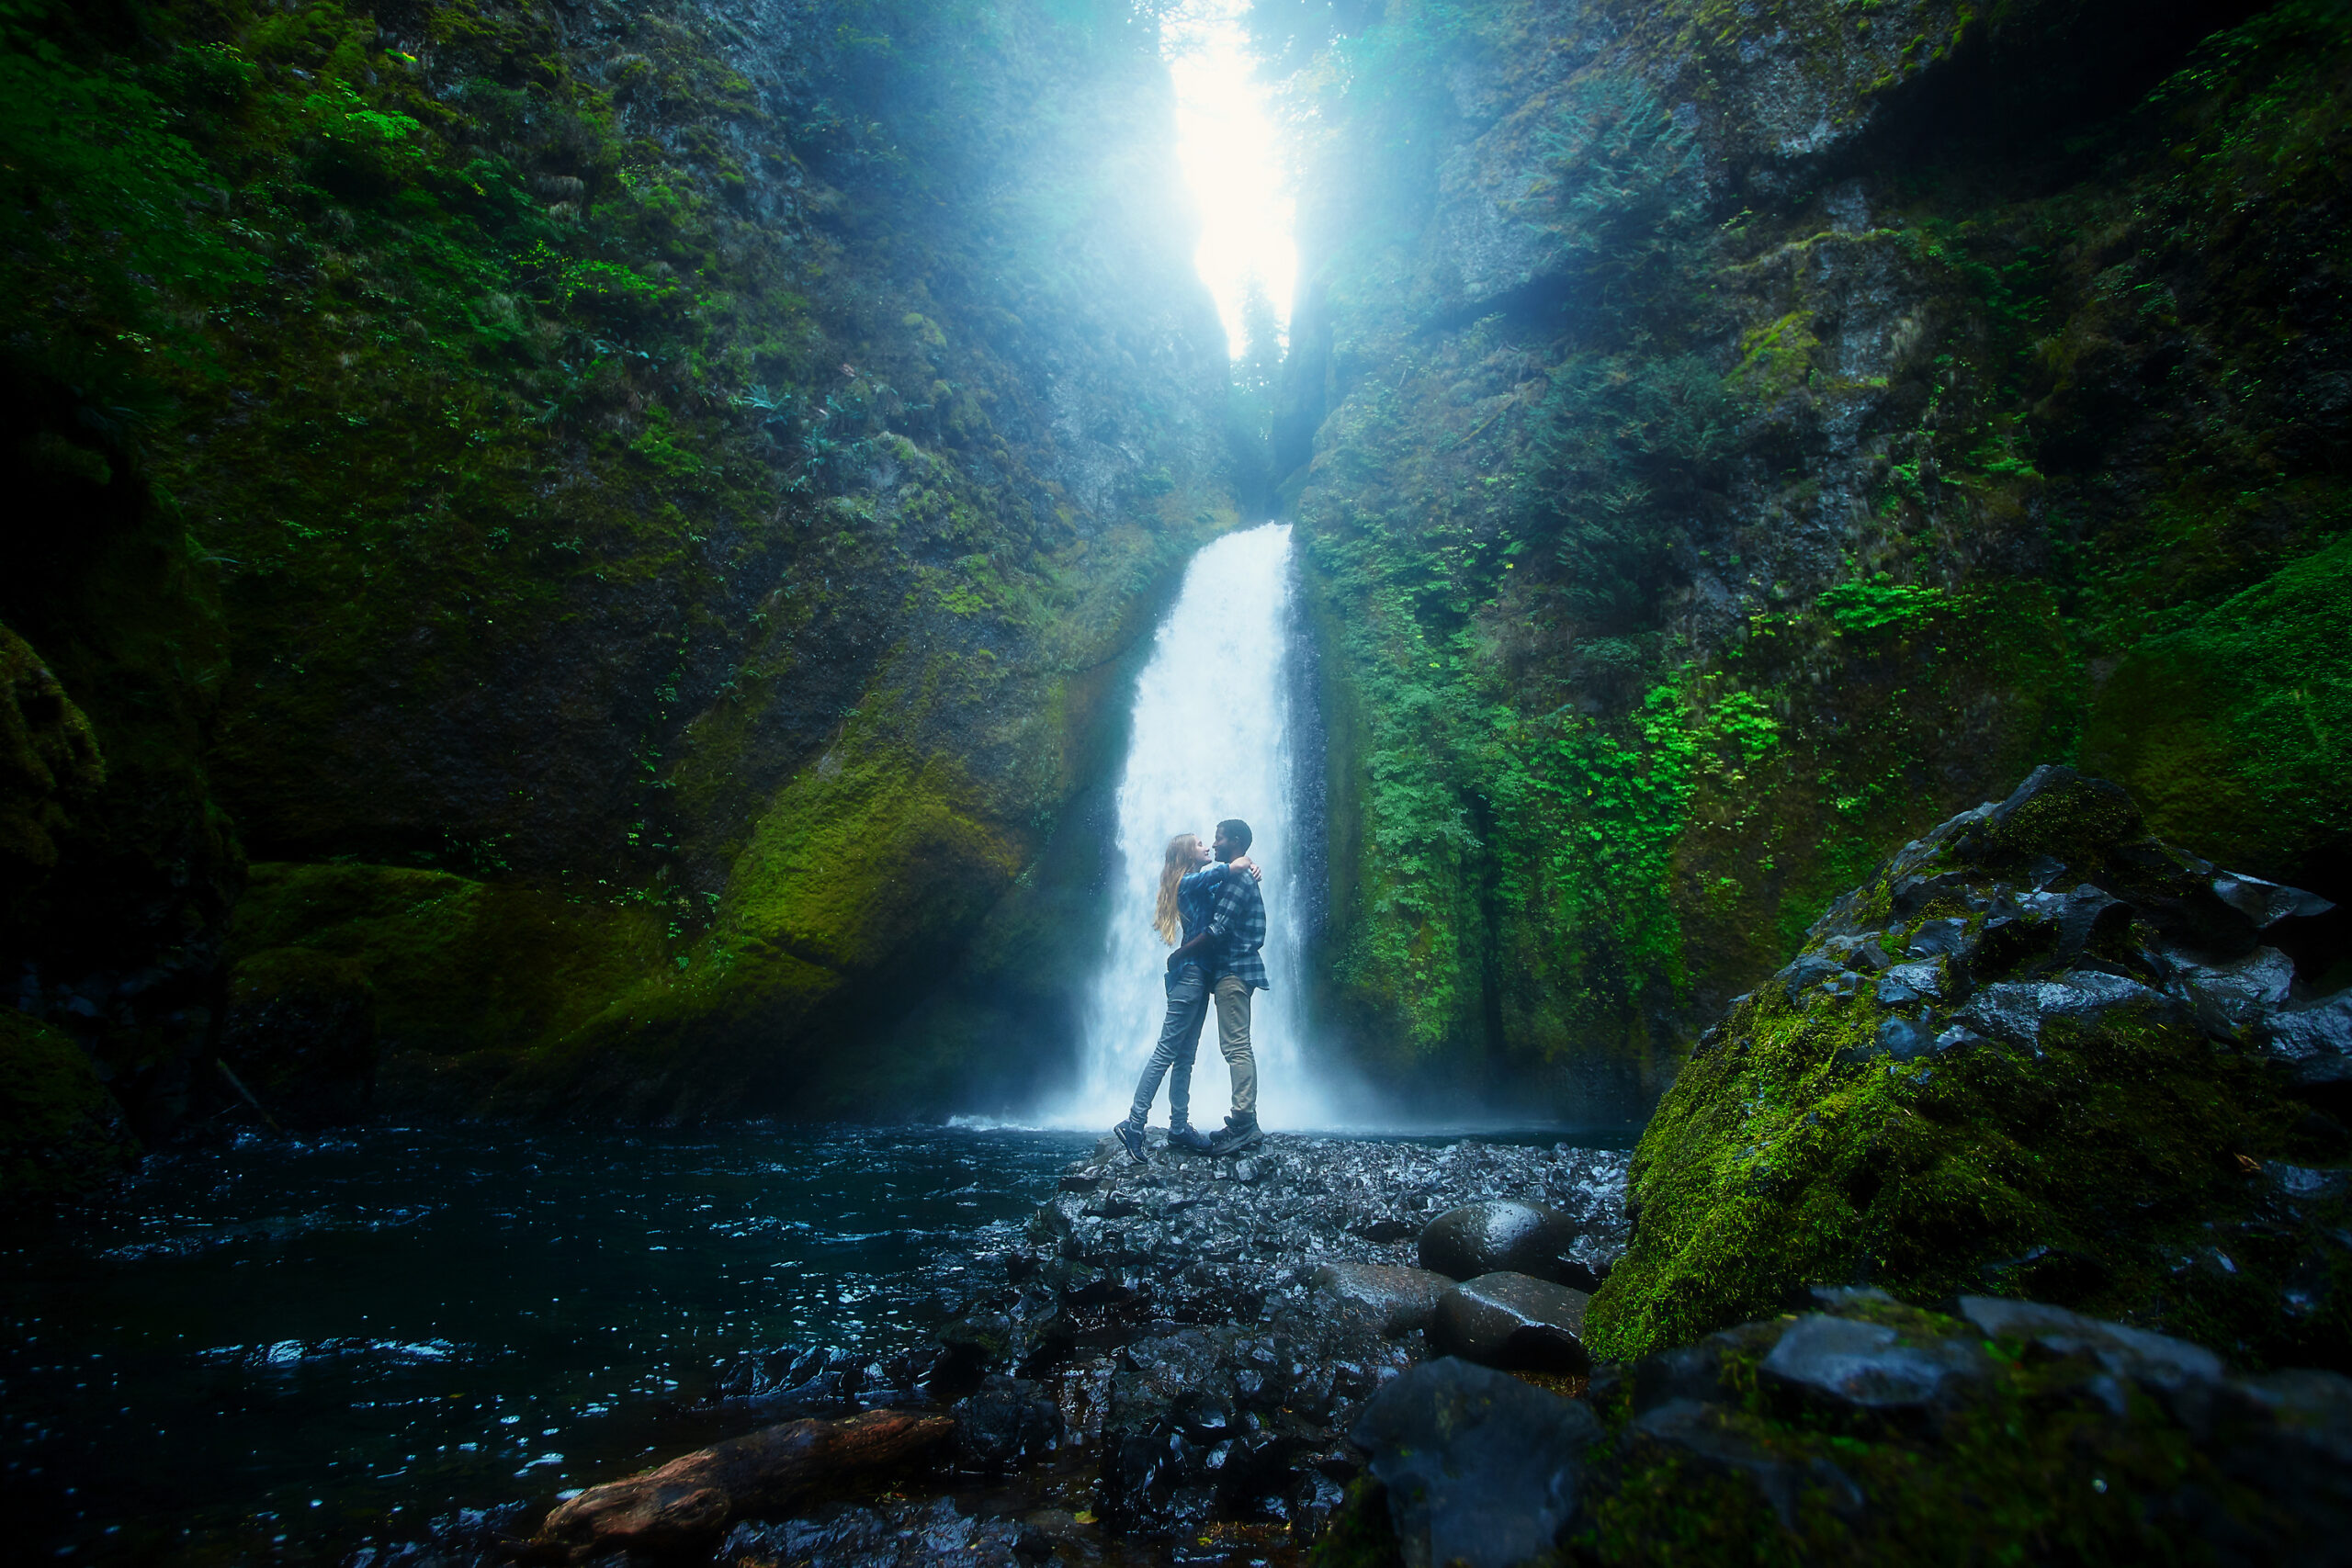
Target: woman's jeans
{"type": "Point", "coordinates": [1180, 1037]}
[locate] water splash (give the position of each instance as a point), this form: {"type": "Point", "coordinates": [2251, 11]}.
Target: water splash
{"type": "Point", "coordinates": [1211, 739]}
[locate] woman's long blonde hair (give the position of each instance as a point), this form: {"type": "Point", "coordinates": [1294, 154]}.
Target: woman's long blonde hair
{"type": "Point", "coordinates": [1183, 856]}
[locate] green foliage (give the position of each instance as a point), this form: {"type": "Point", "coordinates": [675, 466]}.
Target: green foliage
{"type": "Point", "coordinates": [1622, 447]}
{"type": "Point", "coordinates": [1619, 193]}
{"type": "Point", "coordinates": [1879, 603]}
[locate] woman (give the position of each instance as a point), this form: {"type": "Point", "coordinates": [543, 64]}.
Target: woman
{"type": "Point", "coordinates": [1189, 878]}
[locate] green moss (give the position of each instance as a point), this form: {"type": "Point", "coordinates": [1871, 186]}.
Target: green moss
{"type": "Point", "coordinates": [2022, 1468]}
{"type": "Point", "coordinates": [61, 1133]}
{"type": "Point", "coordinates": [49, 759]}
{"type": "Point", "coordinates": [2114, 1167]}
{"type": "Point", "coordinates": [2235, 731]}
{"type": "Point", "coordinates": [465, 979]}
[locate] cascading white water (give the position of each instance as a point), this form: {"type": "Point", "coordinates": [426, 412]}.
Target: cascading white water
{"type": "Point", "coordinates": [1211, 739]}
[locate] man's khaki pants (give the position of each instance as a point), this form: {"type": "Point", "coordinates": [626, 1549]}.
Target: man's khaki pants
{"type": "Point", "coordinates": [1233, 1039]}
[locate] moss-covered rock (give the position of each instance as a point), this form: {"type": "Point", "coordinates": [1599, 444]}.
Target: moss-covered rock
{"type": "Point", "coordinates": [2026, 1057]}
{"type": "Point", "coordinates": [1863, 1430]}
{"type": "Point", "coordinates": [432, 984]}
{"type": "Point", "coordinates": [61, 1133]}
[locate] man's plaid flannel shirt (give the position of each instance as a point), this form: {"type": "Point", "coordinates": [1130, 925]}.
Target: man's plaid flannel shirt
{"type": "Point", "coordinates": [1238, 923]}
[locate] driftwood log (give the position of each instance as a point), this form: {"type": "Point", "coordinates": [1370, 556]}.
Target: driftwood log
{"type": "Point", "coordinates": [684, 1504]}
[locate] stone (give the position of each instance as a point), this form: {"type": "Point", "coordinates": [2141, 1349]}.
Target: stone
{"type": "Point", "coordinates": [887, 1535]}
{"type": "Point", "coordinates": [1946, 938]}
{"type": "Point", "coordinates": [2267, 903]}
{"type": "Point", "coordinates": [1403, 1298]}
{"type": "Point", "coordinates": [1903, 1038]}
{"type": "Point", "coordinates": [2057, 813]}
{"type": "Point", "coordinates": [1905, 985]}
{"type": "Point", "coordinates": [1480, 1467]}
{"type": "Point", "coordinates": [1858, 1365]}
{"type": "Point", "coordinates": [1705, 1433]}
{"type": "Point", "coordinates": [1513, 1322]}
{"type": "Point", "coordinates": [1006, 1422]}
{"type": "Point", "coordinates": [1498, 1234]}
{"type": "Point", "coordinates": [2313, 1044]}
{"type": "Point", "coordinates": [1806, 973]}
{"type": "Point", "coordinates": [2123, 1351]}
{"type": "Point", "coordinates": [2241, 990]}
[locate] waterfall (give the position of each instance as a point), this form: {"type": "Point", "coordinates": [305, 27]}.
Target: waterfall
{"type": "Point", "coordinates": [1211, 739]}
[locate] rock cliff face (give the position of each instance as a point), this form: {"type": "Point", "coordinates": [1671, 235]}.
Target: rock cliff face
{"type": "Point", "coordinates": [1728, 439]}
{"type": "Point", "coordinates": [657, 495]}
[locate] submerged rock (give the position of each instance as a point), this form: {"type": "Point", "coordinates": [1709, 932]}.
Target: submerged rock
{"type": "Point", "coordinates": [1513, 1322]}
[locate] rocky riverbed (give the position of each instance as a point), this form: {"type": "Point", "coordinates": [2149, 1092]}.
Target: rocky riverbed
{"type": "Point", "coordinates": [1170, 1360]}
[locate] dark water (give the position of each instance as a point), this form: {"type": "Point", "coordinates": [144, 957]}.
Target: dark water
{"type": "Point", "coordinates": [278, 1350]}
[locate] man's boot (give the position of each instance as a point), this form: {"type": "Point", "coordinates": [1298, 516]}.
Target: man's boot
{"type": "Point", "coordinates": [1241, 1134]}
{"type": "Point", "coordinates": [1131, 1134]}
{"type": "Point", "coordinates": [1184, 1135]}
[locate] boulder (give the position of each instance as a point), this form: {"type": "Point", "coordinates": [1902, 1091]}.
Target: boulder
{"type": "Point", "coordinates": [1479, 1467]}
{"type": "Point", "coordinates": [2066, 1085]}
{"type": "Point", "coordinates": [1513, 1322]}
{"type": "Point", "coordinates": [1500, 1234]}
{"type": "Point", "coordinates": [1403, 1298]}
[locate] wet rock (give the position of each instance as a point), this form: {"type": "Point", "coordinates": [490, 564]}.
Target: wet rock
{"type": "Point", "coordinates": [1946, 938]}
{"type": "Point", "coordinates": [1403, 1298]}
{"type": "Point", "coordinates": [2265, 904]}
{"type": "Point", "coordinates": [1712, 1437]}
{"type": "Point", "coordinates": [1006, 1422]}
{"type": "Point", "coordinates": [890, 1535]}
{"type": "Point", "coordinates": [821, 1378]}
{"type": "Point", "coordinates": [1479, 1467]}
{"type": "Point", "coordinates": [1807, 973]}
{"type": "Point", "coordinates": [2157, 1359]}
{"type": "Point", "coordinates": [1513, 1322]}
{"type": "Point", "coordinates": [2313, 1046]}
{"type": "Point", "coordinates": [1497, 1235]}
{"type": "Point", "coordinates": [2235, 994]}
{"type": "Point", "coordinates": [1868, 1367]}
{"type": "Point", "coordinates": [1905, 985]}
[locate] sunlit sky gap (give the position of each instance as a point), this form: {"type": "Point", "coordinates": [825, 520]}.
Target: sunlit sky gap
{"type": "Point", "coordinates": [1225, 141]}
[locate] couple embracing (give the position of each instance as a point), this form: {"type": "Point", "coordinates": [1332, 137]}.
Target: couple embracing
{"type": "Point", "coordinates": [1210, 911]}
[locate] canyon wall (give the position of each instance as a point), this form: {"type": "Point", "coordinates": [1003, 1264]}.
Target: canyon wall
{"type": "Point", "coordinates": [606, 532]}
{"type": "Point", "coordinates": [1727, 439]}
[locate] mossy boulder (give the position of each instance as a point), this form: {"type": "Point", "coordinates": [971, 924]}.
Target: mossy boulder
{"type": "Point", "coordinates": [61, 1132]}
{"type": "Point", "coordinates": [1861, 1429]}
{"type": "Point", "coordinates": [438, 984]}
{"type": "Point", "coordinates": [2033, 1055]}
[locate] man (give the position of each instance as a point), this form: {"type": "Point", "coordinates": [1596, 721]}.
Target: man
{"type": "Point", "coordinates": [1232, 943]}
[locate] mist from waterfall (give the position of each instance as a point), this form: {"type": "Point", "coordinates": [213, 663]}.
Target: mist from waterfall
{"type": "Point", "coordinates": [1211, 738]}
